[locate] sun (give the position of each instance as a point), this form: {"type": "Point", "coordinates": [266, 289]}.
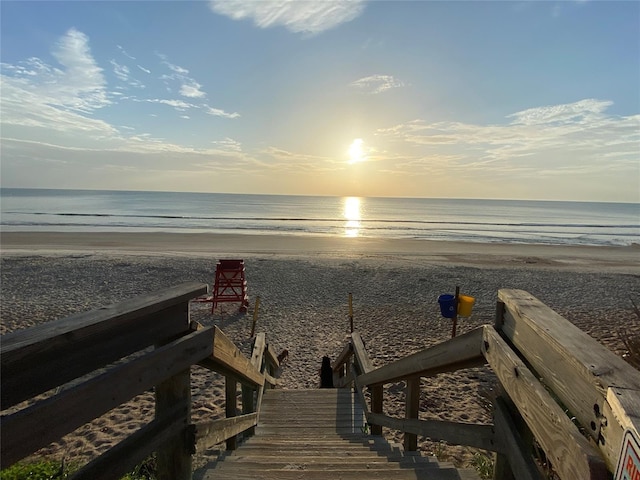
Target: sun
{"type": "Point", "coordinates": [356, 152]}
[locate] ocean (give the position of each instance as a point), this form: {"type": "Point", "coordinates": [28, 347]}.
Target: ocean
{"type": "Point", "coordinates": [502, 221]}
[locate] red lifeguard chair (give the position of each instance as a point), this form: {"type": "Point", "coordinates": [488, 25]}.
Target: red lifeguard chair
{"type": "Point", "coordinates": [230, 284]}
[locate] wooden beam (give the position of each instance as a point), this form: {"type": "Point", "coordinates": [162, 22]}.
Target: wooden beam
{"type": "Point", "coordinates": [125, 455]}
{"type": "Point", "coordinates": [358, 389]}
{"type": "Point", "coordinates": [211, 433]}
{"type": "Point", "coordinates": [509, 443]}
{"type": "Point", "coordinates": [571, 454]}
{"type": "Point", "coordinates": [469, 434]}
{"type": "Point", "coordinates": [460, 352]}
{"type": "Point", "coordinates": [377, 400]}
{"type": "Point", "coordinates": [37, 359]}
{"type": "Point", "coordinates": [174, 455]}
{"type": "Point", "coordinates": [346, 353]}
{"type": "Point", "coordinates": [577, 368]}
{"type": "Point", "coordinates": [231, 406]}
{"type": "Point", "coordinates": [360, 352]}
{"type": "Point", "coordinates": [621, 411]}
{"type": "Point", "coordinates": [39, 424]}
{"type": "Point", "coordinates": [411, 410]}
{"type": "Point", "coordinates": [271, 356]}
{"type": "Point", "coordinates": [227, 359]}
{"type": "Point", "coordinates": [258, 351]}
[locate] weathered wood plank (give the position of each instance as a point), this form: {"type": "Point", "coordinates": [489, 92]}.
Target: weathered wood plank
{"type": "Point", "coordinates": [360, 393]}
{"type": "Point", "coordinates": [259, 347]}
{"type": "Point", "coordinates": [455, 433]}
{"type": "Point", "coordinates": [575, 366]}
{"type": "Point", "coordinates": [227, 359]}
{"type": "Point", "coordinates": [621, 411]}
{"type": "Point", "coordinates": [509, 443]}
{"type": "Point", "coordinates": [459, 352]}
{"type": "Point", "coordinates": [37, 359]}
{"type": "Point", "coordinates": [360, 352]}
{"type": "Point", "coordinates": [571, 454]}
{"type": "Point", "coordinates": [128, 453]}
{"type": "Point", "coordinates": [211, 433]}
{"type": "Point", "coordinates": [36, 426]}
{"type": "Point", "coordinates": [344, 356]}
{"type": "Point", "coordinates": [271, 357]}
{"type": "Point", "coordinates": [411, 410]}
{"type": "Point", "coordinates": [377, 401]}
{"type": "Point", "coordinates": [174, 455]}
{"type": "Point", "coordinates": [231, 406]}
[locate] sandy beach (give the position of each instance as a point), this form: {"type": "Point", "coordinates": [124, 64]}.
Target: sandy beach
{"type": "Point", "coordinates": [303, 284]}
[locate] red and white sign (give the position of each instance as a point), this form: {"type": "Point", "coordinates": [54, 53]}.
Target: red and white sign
{"type": "Point", "coordinates": [629, 460]}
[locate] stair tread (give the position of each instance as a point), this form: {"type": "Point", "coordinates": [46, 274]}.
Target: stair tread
{"type": "Point", "coordinates": [316, 434]}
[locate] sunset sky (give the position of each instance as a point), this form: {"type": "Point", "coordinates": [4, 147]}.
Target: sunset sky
{"type": "Point", "coordinates": [522, 100]}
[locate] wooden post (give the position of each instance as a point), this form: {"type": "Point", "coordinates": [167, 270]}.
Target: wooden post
{"type": "Point", "coordinates": [350, 313]}
{"type": "Point", "coordinates": [412, 406]}
{"type": "Point", "coordinates": [376, 406]}
{"type": "Point", "coordinates": [231, 406]}
{"type": "Point", "coordinates": [255, 316]}
{"type": "Point", "coordinates": [455, 317]}
{"type": "Point", "coordinates": [174, 459]}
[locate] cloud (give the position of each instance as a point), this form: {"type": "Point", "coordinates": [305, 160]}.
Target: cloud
{"type": "Point", "coordinates": [120, 71]}
{"type": "Point", "coordinates": [35, 94]}
{"type": "Point", "coordinates": [585, 110]}
{"type": "Point", "coordinates": [192, 90]}
{"type": "Point", "coordinates": [177, 104]}
{"type": "Point", "coordinates": [228, 144]}
{"type": "Point", "coordinates": [550, 140]}
{"type": "Point", "coordinates": [82, 78]}
{"type": "Point", "coordinates": [375, 84]}
{"type": "Point", "coordinates": [216, 112]}
{"type": "Point", "coordinates": [187, 86]}
{"type": "Point", "coordinates": [124, 52]}
{"type": "Point", "coordinates": [296, 16]}
{"type": "Point", "coordinates": [143, 69]}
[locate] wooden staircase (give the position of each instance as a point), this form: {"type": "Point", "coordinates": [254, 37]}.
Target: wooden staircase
{"type": "Point", "coordinates": [318, 434]}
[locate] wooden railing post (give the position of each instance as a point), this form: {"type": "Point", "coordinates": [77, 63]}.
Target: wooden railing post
{"type": "Point", "coordinates": [231, 406]}
{"type": "Point", "coordinates": [412, 406]}
{"type": "Point", "coordinates": [376, 406]}
{"type": "Point", "coordinates": [174, 457]}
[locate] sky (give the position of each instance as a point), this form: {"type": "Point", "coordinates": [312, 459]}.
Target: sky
{"type": "Point", "coordinates": [452, 99]}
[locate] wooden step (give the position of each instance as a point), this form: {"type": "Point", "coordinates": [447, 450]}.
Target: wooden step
{"type": "Point", "coordinates": [317, 434]}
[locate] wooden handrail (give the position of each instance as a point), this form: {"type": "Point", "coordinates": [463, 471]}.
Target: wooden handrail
{"type": "Point", "coordinates": [74, 346]}
{"type": "Point", "coordinates": [43, 422]}
{"type": "Point", "coordinates": [460, 352]}
{"type": "Point", "coordinates": [600, 389]}
{"type": "Point", "coordinates": [583, 373]}
{"type": "Point", "coordinates": [39, 358]}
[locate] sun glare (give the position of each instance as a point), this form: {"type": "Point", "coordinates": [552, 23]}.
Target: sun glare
{"type": "Point", "coordinates": [356, 152]}
{"type": "Point", "coordinates": [352, 215]}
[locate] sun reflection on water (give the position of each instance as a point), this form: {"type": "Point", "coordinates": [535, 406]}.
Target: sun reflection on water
{"type": "Point", "coordinates": [352, 215]}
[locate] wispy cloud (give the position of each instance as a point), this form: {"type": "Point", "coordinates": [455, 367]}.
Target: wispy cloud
{"type": "Point", "coordinates": [559, 138]}
{"type": "Point", "coordinates": [35, 94]}
{"type": "Point", "coordinates": [187, 86]}
{"type": "Point", "coordinates": [216, 112]}
{"type": "Point", "coordinates": [374, 84]}
{"type": "Point", "coordinates": [296, 16]}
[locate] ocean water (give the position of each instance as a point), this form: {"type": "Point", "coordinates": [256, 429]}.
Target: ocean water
{"type": "Point", "coordinates": [505, 221]}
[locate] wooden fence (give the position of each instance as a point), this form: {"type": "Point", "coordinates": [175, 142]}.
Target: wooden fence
{"type": "Point", "coordinates": [98, 360]}
{"type": "Point", "coordinates": [561, 391]}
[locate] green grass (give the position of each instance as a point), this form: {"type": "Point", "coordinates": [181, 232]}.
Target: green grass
{"type": "Point", "coordinates": [48, 469]}
{"type": "Point", "coordinates": [42, 470]}
{"type": "Point", "coordinates": [483, 465]}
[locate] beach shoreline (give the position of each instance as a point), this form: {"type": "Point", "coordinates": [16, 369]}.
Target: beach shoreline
{"type": "Point", "coordinates": [618, 259]}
